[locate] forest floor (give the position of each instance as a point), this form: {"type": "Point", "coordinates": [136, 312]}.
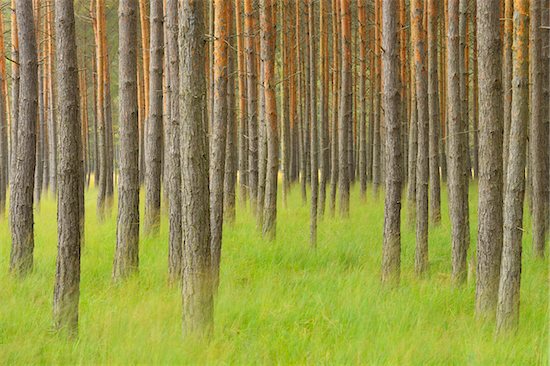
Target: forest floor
{"type": "Point", "coordinates": [279, 302]}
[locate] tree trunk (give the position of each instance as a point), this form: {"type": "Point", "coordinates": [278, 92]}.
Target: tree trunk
{"type": "Point", "coordinates": [334, 151]}
{"type": "Point", "coordinates": [67, 278]}
{"type": "Point", "coordinates": [456, 159]}
{"type": "Point", "coordinates": [362, 169]}
{"type": "Point", "coordinates": [422, 163]}
{"type": "Point", "coordinates": [230, 178]}
{"type": "Point", "coordinates": [153, 140]}
{"type": "Point", "coordinates": [391, 249]}
{"type": "Point", "coordinates": [489, 242]}
{"type": "Point", "coordinates": [15, 95]}
{"type": "Point", "coordinates": [510, 268]}
{"type": "Point", "coordinates": [197, 297]}
{"type": "Point", "coordinates": [268, 41]}
{"type": "Point", "coordinates": [243, 111]}
{"type": "Point", "coordinates": [537, 148]}
{"type": "Point", "coordinates": [345, 113]}
{"type": "Point", "coordinates": [507, 78]}
{"type": "Point", "coordinates": [324, 148]}
{"type": "Point", "coordinates": [433, 100]}
{"type": "Point", "coordinates": [313, 122]}
{"type": "Point", "coordinates": [22, 187]}
{"type": "Point", "coordinates": [127, 247]}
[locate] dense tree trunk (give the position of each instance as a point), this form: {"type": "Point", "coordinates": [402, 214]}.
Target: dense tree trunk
{"type": "Point", "coordinates": [433, 100]}
{"type": "Point", "coordinates": [413, 145]}
{"type": "Point", "coordinates": [362, 137]}
{"type": "Point", "coordinates": [16, 80]}
{"type": "Point", "coordinates": [251, 90]}
{"type": "Point", "coordinates": [243, 111]}
{"type": "Point", "coordinates": [197, 296]}
{"type": "Point", "coordinates": [67, 278]}
{"type": "Point", "coordinates": [127, 247]}
{"type": "Point", "coordinates": [507, 78]}
{"type": "Point", "coordinates": [324, 148]}
{"type": "Point", "coordinates": [377, 138]}
{"type": "Point", "coordinates": [422, 164]}
{"type": "Point", "coordinates": [313, 121]}
{"type": "Point", "coordinates": [489, 242]}
{"type": "Point", "coordinates": [536, 130]}
{"type": "Point", "coordinates": [334, 151]}
{"type": "Point", "coordinates": [22, 185]}
{"type": "Point", "coordinates": [268, 41]}
{"type": "Point", "coordinates": [510, 268]}
{"type": "Point", "coordinates": [153, 139]}
{"type": "Point", "coordinates": [345, 112]}
{"type": "Point", "coordinates": [391, 249]}
{"type": "Point", "coordinates": [230, 177]}
{"type": "Point", "coordinates": [456, 157]}
{"type": "Point", "coordinates": [52, 110]}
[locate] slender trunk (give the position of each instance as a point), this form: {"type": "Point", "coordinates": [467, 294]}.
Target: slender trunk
{"type": "Point", "coordinates": [324, 147]}
{"type": "Point", "coordinates": [243, 111]}
{"type": "Point", "coordinates": [313, 121]}
{"type": "Point", "coordinates": [362, 12]}
{"type": "Point", "coordinates": [507, 78]}
{"type": "Point", "coordinates": [334, 151]}
{"type": "Point", "coordinates": [510, 268]}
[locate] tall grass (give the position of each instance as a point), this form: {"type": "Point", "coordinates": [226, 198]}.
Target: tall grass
{"type": "Point", "coordinates": [279, 302]}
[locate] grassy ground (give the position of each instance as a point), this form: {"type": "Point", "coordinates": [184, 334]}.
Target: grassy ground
{"type": "Point", "coordinates": [279, 302]}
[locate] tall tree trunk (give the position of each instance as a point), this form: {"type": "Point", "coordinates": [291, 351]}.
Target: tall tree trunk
{"type": "Point", "coordinates": [153, 140]}
{"type": "Point", "coordinates": [197, 296]}
{"type": "Point", "coordinates": [433, 100]}
{"type": "Point", "coordinates": [251, 90]}
{"type": "Point", "coordinates": [52, 118]}
{"type": "Point", "coordinates": [127, 247]}
{"type": "Point", "coordinates": [489, 241]}
{"type": "Point", "coordinates": [536, 130]}
{"type": "Point", "coordinates": [243, 111]}
{"type": "Point", "coordinates": [391, 249]}
{"type": "Point", "coordinates": [218, 132]}
{"type": "Point", "coordinates": [377, 143]}
{"type": "Point", "coordinates": [313, 121]}
{"type": "Point", "coordinates": [507, 78]}
{"type": "Point", "coordinates": [324, 148]}
{"type": "Point", "coordinates": [174, 162]}
{"type": "Point", "coordinates": [67, 278]}
{"type": "Point", "coordinates": [362, 169]}
{"type": "Point", "coordinates": [345, 113]}
{"type": "Point", "coordinates": [334, 151]}
{"type": "Point", "coordinates": [510, 268]}
{"type": "Point", "coordinates": [15, 93]}
{"type": "Point", "coordinates": [418, 39]}
{"type": "Point", "coordinates": [21, 194]}
{"type": "Point", "coordinates": [456, 157]}
{"type": "Point", "coordinates": [268, 41]}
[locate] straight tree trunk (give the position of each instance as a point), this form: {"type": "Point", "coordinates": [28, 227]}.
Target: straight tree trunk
{"type": "Point", "coordinates": [345, 113]}
{"type": "Point", "coordinates": [15, 94]}
{"type": "Point", "coordinates": [243, 111]}
{"type": "Point", "coordinates": [433, 100]}
{"type": "Point", "coordinates": [251, 90]}
{"type": "Point", "coordinates": [197, 290]}
{"type": "Point", "coordinates": [22, 187]}
{"type": "Point", "coordinates": [422, 162]}
{"type": "Point", "coordinates": [230, 178]}
{"type": "Point", "coordinates": [324, 148]}
{"type": "Point", "coordinates": [334, 151]}
{"type": "Point", "coordinates": [218, 132]}
{"type": "Point", "coordinates": [52, 118]}
{"type": "Point", "coordinates": [175, 251]}
{"type": "Point", "coordinates": [362, 169]}
{"type": "Point", "coordinates": [126, 259]}
{"type": "Point", "coordinates": [153, 140]}
{"type": "Point", "coordinates": [268, 41]}
{"type": "Point", "coordinates": [377, 142]}
{"type": "Point", "coordinates": [413, 144]}
{"type": "Point", "coordinates": [313, 122]}
{"type": "Point", "coordinates": [67, 278]}
{"type": "Point", "coordinates": [507, 78]}
{"type": "Point", "coordinates": [460, 237]}
{"type": "Point", "coordinates": [489, 241]}
{"type": "Point", "coordinates": [510, 267]}
{"type": "Point", "coordinates": [536, 130]}
{"type": "Point", "coordinates": [391, 249]}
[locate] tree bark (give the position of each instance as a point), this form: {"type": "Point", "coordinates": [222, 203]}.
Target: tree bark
{"type": "Point", "coordinates": [334, 151]}
{"type": "Point", "coordinates": [313, 122]}
{"type": "Point", "coordinates": [507, 78]}
{"type": "Point", "coordinates": [22, 186]}
{"type": "Point", "coordinates": [243, 111]}
{"type": "Point", "coordinates": [153, 141]}
{"type": "Point", "coordinates": [391, 249]}
{"type": "Point", "coordinates": [126, 259]}
{"type": "Point", "coordinates": [67, 278]}
{"type": "Point", "coordinates": [197, 296]}
{"type": "Point", "coordinates": [510, 267]}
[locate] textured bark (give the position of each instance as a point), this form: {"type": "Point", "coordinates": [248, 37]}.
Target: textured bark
{"type": "Point", "coordinates": [413, 147]}
{"type": "Point", "coordinates": [422, 162]}
{"type": "Point", "coordinates": [334, 151]}
{"type": "Point", "coordinates": [243, 111]}
{"type": "Point", "coordinates": [52, 115]}
{"type": "Point", "coordinates": [230, 178]}
{"type": "Point", "coordinates": [391, 249]}
{"type": "Point", "coordinates": [67, 277]}
{"type": "Point", "coordinates": [100, 111]}
{"type": "Point", "coordinates": [197, 288]}
{"type": "Point", "coordinates": [324, 148]}
{"type": "Point", "coordinates": [489, 242]}
{"type": "Point", "coordinates": [405, 107]}
{"type": "Point", "coordinates": [175, 253]}
{"type": "Point", "coordinates": [537, 136]}
{"type": "Point", "coordinates": [345, 112]}
{"type": "Point", "coordinates": [251, 90]}
{"type": "Point", "coordinates": [38, 171]}
{"type": "Point", "coordinates": [510, 269]}
{"type": "Point", "coordinates": [460, 236]}
{"type": "Point", "coordinates": [22, 185]}
{"type": "Point", "coordinates": [433, 100]}
{"type": "Point", "coordinates": [153, 138]}
{"type": "Point", "coordinates": [15, 94]}
{"type": "Point", "coordinates": [377, 142]}
{"type": "Point", "coordinates": [313, 120]}
{"type": "Point", "coordinates": [507, 78]}
{"type": "Point", "coordinates": [127, 246]}
{"type": "Point", "coordinates": [4, 123]}
{"type": "Point", "coordinates": [362, 161]}
{"type": "Point", "coordinates": [268, 38]}
{"type": "Point", "coordinates": [464, 72]}
{"type": "Point", "coordinates": [218, 132]}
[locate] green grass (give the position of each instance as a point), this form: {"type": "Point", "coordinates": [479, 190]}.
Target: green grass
{"type": "Point", "coordinates": [279, 302]}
